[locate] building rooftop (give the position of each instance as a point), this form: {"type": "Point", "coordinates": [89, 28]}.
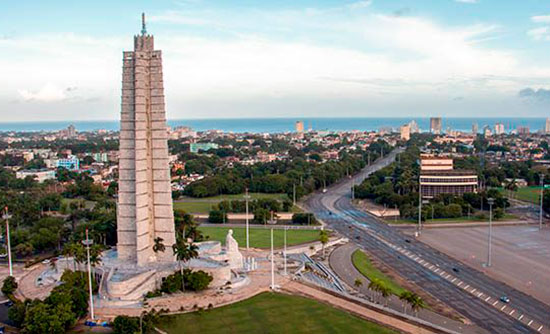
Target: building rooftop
{"type": "Point", "coordinates": [456, 172]}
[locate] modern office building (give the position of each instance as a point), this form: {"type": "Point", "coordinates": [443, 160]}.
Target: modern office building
{"type": "Point", "coordinates": [436, 125]}
{"type": "Point", "coordinates": [299, 126]}
{"type": "Point", "coordinates": [438, 176]}
{"type": "Point", "coordinates": [70, 163]}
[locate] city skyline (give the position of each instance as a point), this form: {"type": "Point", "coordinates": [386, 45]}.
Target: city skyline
{"type": "Point", "coordinates": [448, 58]}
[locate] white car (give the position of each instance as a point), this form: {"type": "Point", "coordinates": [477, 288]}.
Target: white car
{"type": "Point", "coordinates": [46, 261]}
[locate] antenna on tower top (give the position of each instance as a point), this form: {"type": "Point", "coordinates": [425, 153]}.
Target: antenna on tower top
{"type": "Point", "coordinates": [143, 29]}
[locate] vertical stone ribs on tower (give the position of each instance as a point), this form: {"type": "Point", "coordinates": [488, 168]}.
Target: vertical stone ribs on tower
{"type": "Point", "coordinates": [145, 203]}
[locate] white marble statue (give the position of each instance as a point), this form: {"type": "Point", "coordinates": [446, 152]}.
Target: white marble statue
{"type": "Point", "coordinates": [234, 257]}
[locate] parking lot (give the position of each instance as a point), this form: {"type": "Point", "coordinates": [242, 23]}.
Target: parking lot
{"type": "Point", "coordinates": [521, 254]}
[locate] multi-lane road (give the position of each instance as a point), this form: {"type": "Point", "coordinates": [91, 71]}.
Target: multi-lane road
{"type": "Point", "coordinates": [467, 290]}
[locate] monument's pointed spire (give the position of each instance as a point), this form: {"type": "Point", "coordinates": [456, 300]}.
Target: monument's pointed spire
{"type": "Point", "coordinates": [143, 29]}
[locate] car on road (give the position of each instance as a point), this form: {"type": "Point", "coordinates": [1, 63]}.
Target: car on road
{"type": "Point", "coordinates": [46, 261]}
{"type": "Point", "coordinates": [408, 241]}
{"type": "Point", "coordinates": [505, 299]}
{"type": "Point", "coordinates": [456, 270]}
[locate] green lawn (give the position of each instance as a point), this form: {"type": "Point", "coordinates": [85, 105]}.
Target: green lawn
{"type": "Point", "coordinates": [527, 194]}
{"type": "Point", "coordinates": [203, 205]}
{"type": "Point", "coordinates": [363, 264]}
{"type": "Point", "coordinates": [260, 237]}
{"type": "Point", "coordinates": [194, 207]}
{"type": "Point", "coordinates": [271, 313]}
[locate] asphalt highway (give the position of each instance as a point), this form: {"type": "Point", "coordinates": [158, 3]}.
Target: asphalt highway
{"type": "Point", "coordinates": [467, 290]}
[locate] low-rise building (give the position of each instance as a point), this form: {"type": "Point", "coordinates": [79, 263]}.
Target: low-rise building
{"type": "Point", "coordinates": [40, 175]}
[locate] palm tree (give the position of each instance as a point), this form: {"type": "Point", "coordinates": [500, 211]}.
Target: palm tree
{"type": "Point", "coordinates": [184, 252]}
{"type": "Point", "coordinates": [159, 245]}
{"type": "Point", "coordinates": [374, 286]}
{"type": "Point", "coordinates": [385, 291]}
{"type": "Point", "coordinates": [405, 298]}
{"type": "Point", "coordinates": [416, 303]}
{"type": "Point", "coordinates": [323, 238]}
{"type": "Point", "coordinates": [358, 283]}
{"type": "Point", "coordinates": [95, 254]}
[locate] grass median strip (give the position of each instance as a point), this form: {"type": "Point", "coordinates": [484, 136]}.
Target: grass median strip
{"type": "Point", "coordinates": [271, 313]}
{"type": "Point", "coordinates": [363, 264]}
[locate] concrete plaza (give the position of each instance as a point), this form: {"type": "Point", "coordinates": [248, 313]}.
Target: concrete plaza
{"type": "Point", "coordinates": [520, 254]}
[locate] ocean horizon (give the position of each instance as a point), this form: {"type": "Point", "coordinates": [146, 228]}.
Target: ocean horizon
{"type": "Point", "coordinates": [281, 125]}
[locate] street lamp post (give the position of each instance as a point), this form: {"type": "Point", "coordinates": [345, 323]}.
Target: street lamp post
{"type": "Point", "coordinates": [490, 201]}
{"type": "Point", "coordinates": [6, 216]}
{"type": "Point", "coordinates": [87, 243]}
{"type": "Point", "coordinates": [541, 199]}
{"type": "Point", "coordinates": [246, 198]}
{"type": "Point", "coordinates": [284, 251]}
{"type": "Point", "coordinates": [272, 263]}
{"type": "Point", "coordinates": [419, 205]}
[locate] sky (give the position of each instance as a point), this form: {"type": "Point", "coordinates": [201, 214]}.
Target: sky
{"type": "Point", "coordinates": [61, 60]}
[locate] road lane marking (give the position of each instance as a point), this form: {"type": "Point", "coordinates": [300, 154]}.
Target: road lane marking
{"type": "Point", "coordinates": [502, 309]}
{"type": "Point", "coordinates": [460, 283]}
{"type": "Point", "coordinates": [487, 298]}
{"type": "Point", "coordinates": [520, 317]}
{"type": "Point", "coordinates": [538, 330]}
{"type": "Point", "coordinates": [479, 295]}
{"type": "Point", "coordinates": [513, 311]}
{"type": "Point", "coordinates": [467, 286]}
{"type": "Point", "coordinates": [496, 301]}
{"type": "Point", "coordinates": [454, 279]}
{"type": "Point", "coordinates": [474, 290]}
{"type": "Point", "coordinates": [530, 322]}
{"type": "Point", "coordinates": [431, 266]}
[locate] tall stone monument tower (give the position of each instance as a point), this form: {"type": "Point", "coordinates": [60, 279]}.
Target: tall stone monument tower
{"type": "Point", "coordinates": [144, 196]}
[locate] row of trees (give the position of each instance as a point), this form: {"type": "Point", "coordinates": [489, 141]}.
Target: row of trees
{"type": "Point", "coordinates": [381, 290]}
{"type": "Point", "coordinates": [66, 304]}
{"type": "Point", "coordinates": [397, 186]}
{"type": "Point", "coordinates": [303, 176]}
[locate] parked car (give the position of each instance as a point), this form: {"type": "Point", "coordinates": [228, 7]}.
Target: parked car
{"type": "Point", "coordinates": [505, 299]}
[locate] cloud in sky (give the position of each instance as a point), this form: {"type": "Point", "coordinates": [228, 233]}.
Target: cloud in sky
{"type": "Point", "coordinates": [48, 93]}
{"type": "Point", "coordinates": [255, 62]}
{"type": "Point", "coordinates": [541, 19]}
{"type": "Point", "coordinates": [360, 4]}
{"type": "Point", "coordinates": [540, 94]}
{"type": "Point", "coordinates": [540, 34]}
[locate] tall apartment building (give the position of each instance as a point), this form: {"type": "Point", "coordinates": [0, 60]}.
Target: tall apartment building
{"type": "Point", "coordinates": [522, 130]}
{"type": "Point", "coordinates": [414, 126]}
{"type": "Point", "coordinates": [547, 126]}
{"type": "Point", "coordinates": [436, 125]}
{"type": "Point", "coordinates": [475, 128]}
{"type": "Point", "coordinates": [499, 129]}
{"type": "Point", "coordinates": [299, 126]}
{"type": "Point", "coordinates": [405, 132]}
